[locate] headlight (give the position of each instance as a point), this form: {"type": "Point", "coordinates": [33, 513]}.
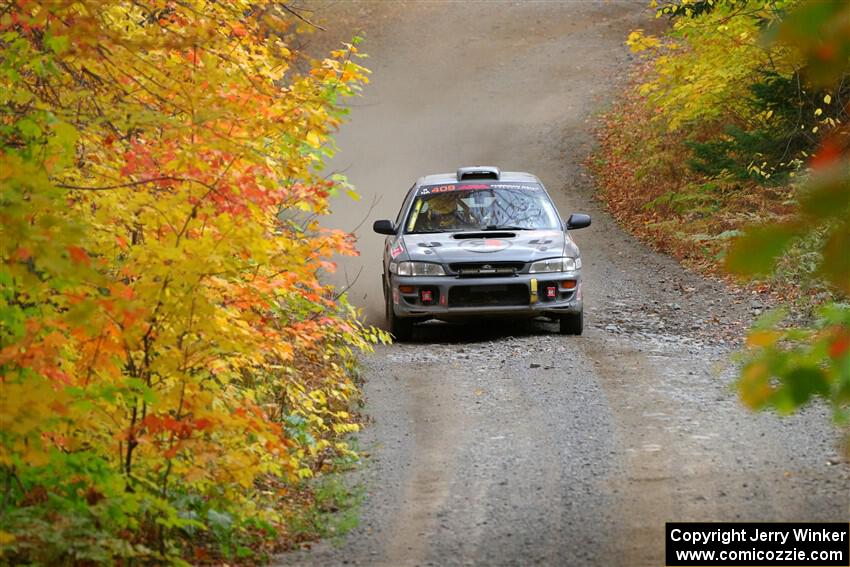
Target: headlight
{"type": "Point", "coordinates": [555, 265]}
{"type": "Point", "coordinates": [416, 269]}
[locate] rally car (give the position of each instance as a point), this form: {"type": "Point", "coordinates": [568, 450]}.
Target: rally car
{"type": "Point", "coordinates": [480, 242]}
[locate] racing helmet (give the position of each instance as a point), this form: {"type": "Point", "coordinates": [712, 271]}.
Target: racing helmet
{"type": "Point", "coordinates": [443, 204]}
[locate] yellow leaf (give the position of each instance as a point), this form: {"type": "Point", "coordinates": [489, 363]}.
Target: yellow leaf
{"type": "Point", "coordinates": [754, 386]}
{"type": "Point", "coordinates": [827, 99]}
{"type": "Point", "coordinates": [313, 139]}
{"type": "Point", "coordinates": [762, 338]}
{"type": "Point", "coordinates": [6, 538]}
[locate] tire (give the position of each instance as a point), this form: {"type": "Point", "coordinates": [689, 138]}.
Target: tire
{"type": "Point", "coordinates": [572, 324]}
{"type": "Point", "coordinates": [399, 327]}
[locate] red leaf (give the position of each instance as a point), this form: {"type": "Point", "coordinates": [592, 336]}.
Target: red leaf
{"type": "Point", "coordinates": [828, 153]}
{"type": "Point", "coordinates": [78, 255]}
{"type": "Point", "coordinates": [826, 52]}
{"type": "Point", "coordinates": [840, 345]}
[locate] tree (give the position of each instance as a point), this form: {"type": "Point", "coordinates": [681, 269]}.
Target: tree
{"type": "Point", "coordinates": [760, 89]}
{"type": "Point", "coordinates": [788, 366]}
{"type": "Point", "coordinates": [165, 338]}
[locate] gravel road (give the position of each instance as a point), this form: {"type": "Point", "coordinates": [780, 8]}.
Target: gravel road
{"type": "Point", "coordinates": [509, 444]}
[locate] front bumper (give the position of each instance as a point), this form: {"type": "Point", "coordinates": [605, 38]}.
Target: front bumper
{"type": "Point", "coordinates": [521, 295]}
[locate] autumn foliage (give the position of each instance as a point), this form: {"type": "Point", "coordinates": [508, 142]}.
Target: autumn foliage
{"type": "Point", "coordinates": [171, 360]}
{"type": "Point", "coordinates": [730, 150]}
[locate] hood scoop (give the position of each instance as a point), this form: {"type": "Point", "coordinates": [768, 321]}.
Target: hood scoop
{"type": "Point", "coordinates": [488, 234]}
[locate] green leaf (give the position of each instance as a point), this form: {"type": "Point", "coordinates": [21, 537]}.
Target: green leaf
{"type": "Point", "coordinates": [827, 199]}
{"type": "Point", "coordinates": [770, 319]}
{"type": "Point", "coordinates": [836, 258]}
{"type": "Point", "coordinates": [757, 250]}
{"type": "Point", "coordinates": [56, 43]}
{"type": "Point", "coordinates": [29, 128]}
{"type": "Point", "coordinates": [800, 385]}
{"type": "Point", "coordinates": [65, 134]}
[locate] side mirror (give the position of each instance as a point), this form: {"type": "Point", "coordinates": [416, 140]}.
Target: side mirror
{"type": "Point", "coordinates": [384, 227]}
{"type": "Point", "coordinates": [578, 220]}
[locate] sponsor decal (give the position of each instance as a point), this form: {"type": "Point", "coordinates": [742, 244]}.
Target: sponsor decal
{"type": "Point", "coordinates": [527, 186]}
{"type": "Point", "coordinates": [485, 245]}
{"type": "Point", "coordinates": [397, 250]}
{"type": "Point", "coordinates": [448, 187]}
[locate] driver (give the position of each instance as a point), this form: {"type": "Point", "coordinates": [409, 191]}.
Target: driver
{"type": "Point", "coordinates": [443, 212]}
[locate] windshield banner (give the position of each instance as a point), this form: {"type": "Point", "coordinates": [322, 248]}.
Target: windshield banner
{"type": "Point", "coordinates": [447, 187]}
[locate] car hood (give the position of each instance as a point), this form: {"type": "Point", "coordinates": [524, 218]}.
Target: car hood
{"type": "Point", "coordinates": [489, 246]}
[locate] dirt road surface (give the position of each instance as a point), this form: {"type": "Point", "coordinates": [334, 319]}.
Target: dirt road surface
{"type": "Point", "coordinates": [509, 444]}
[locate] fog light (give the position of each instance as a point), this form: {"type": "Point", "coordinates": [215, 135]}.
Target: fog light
{"type": "Point", "coordinates": [407, 289]}
{"type": "Point", "coordinates": [568, 284]}
{"type": "Point", "coordinates": [426, 296]}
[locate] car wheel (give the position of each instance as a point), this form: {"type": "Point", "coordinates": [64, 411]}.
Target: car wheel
{"type": "Point", "coordinates": [572, 324]}
{"type": "Point", "coordinates": [401, 328]}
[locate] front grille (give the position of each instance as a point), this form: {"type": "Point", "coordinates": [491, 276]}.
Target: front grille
{"type": "Point", "coordinates": [488, 295]}
{"type": "Point", "coordinates": [485, 269]}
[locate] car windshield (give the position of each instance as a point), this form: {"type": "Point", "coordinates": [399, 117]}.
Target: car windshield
{"type": "Point", "coordinates": [521, 206]}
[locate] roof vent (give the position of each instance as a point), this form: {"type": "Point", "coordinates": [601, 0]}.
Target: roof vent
{"type": "Point", "coordinates": [477, 172]}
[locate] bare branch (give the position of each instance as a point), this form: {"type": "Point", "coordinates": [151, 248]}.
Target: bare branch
{"type": "Point", "coordinates": [300, 17]}
{"type": "Point", "coordinates": [375, 200]}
